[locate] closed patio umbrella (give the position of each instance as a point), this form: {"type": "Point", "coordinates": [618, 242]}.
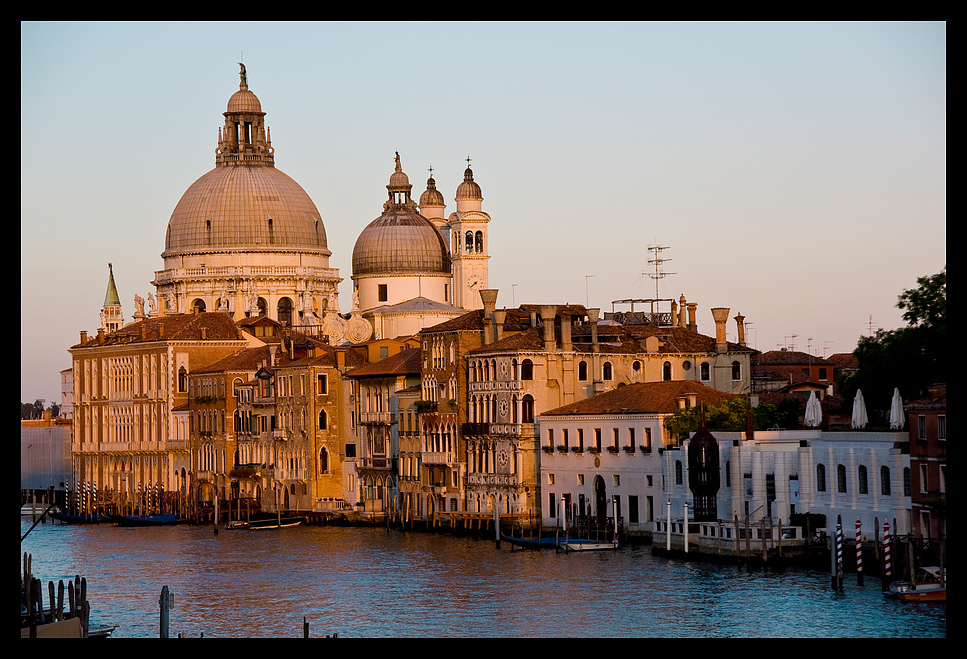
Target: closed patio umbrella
{"type": "Point", "coordinates": [814, 412]}
{"type": "Point", "coordinates": [896, 411]}
{"type": "Point", "coordinates": [859, 411]}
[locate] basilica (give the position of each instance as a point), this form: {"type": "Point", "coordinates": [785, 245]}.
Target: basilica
{"type": "Point", "coordinates": [246, 239]}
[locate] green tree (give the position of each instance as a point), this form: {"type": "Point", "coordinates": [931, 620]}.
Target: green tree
{"type": "Point", "coordinates": [910, 358]}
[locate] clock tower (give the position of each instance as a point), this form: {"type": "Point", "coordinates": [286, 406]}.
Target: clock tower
{"type": "Point", "coordinates": [469, 244]}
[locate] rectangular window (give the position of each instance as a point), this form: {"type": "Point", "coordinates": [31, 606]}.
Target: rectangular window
{"type": "Point", "coordinates": [923, 479]}
{"type": "Point", "coordinates": [921, 427]}
{"type": "Point", "coordinates": [551, 505]}
{"type": "Point", "coordinates": [580, 439]}
{"type": "Point", "coordinates": [633, 509]}
{"type": "Point", "coordinates": [382, 292]}
{"type": "Point", "coordinates": [942, 427]}
{"type": "Point", "coordinates": [597, 439]}
{"type": "Point", "coordinates": [822, 374]}
{"type": "Point", "coordinates": [322, 384]}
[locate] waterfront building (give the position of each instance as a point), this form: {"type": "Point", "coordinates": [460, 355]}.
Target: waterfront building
{"type": "Point", "coordinates": [444, 419]}
{"type": "Point", "coordinates": [566, 355]}
{"type": "Point", "coordinates": [316, 420]}
{"type": "Point", "coordinates": [600, 457]}
{"type": "Point", "coordinates": [770, 476]}
{"type": "Point", "coordinates": [927, 428]}
{"type": "Point", "coordinates": [376, 445]}
{"type": "Point", "coordinates": [129, 445]}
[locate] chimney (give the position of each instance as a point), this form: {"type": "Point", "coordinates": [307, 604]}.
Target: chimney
{"type": "Point", "coordinates": [721, 316]}
{"type": "Point", "coordinates": [144, 332]}
{"type": "Point", "coordinates": [548, 315]}
{"type": "Point", "coordinates": [674, 313]}
{"type": "Point", "coordinates": [499, 317]}
{"type": "Point", "coordinates": [681, 311]}
{"type": "Point", "coordinates": [593, 319]}
{"type": "Point", "coordinates": [83, 337]}
{"type": "Point", "coordinates": [489, 298]}
{"type": "Point", "coordinates": [204, 333]}
{"type": "Point", "coordinates": [740, 323]}
{"type": "Point", "coordinates": [692, 307]}
{"type": "Point", "coordinates": [100, 334]}
{"type": "Point", "coordinates": [565, 331]}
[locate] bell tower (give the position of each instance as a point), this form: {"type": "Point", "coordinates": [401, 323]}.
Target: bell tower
{"type": "Point", "coordinates": [469, 250]}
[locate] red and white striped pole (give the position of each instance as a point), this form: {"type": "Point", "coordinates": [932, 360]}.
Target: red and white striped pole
{"type": "Point", "coordinates": [859, 553]}
{"type": "Point", "coordinates": [887, 568]}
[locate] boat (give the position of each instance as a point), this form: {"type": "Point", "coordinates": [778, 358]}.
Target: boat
{"type": "Point", "coordinates": [89, 518]}
{"type": "Point", "coordinates": [35, 509]}
{"type": "Point", "coordinates": [274, 523]}
{"type": "Point", "coordinates": [165, 519]}
{"type": "Point", "coordinates": [574, 544]}
{"type": "Point", "coordinates": [929, 585]}
{"type": "Point", "coordinates": [532, 543]}
{"type": "Point", "coordinates": [236, 524]}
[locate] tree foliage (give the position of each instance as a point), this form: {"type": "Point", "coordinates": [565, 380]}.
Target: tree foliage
{"type": "Point", "coordinates": [911, 358]}
{"type": "Point", "coordinates": [734, 416]}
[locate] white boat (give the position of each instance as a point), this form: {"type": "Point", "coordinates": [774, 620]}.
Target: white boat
{"type": "Point", "coordinates": [927, 586]}
{"type": "Point", "coordinates": [589, 545]}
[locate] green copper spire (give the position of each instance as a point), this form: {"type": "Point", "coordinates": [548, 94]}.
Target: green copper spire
{"type": "Point", "coordinates": [111, 298]}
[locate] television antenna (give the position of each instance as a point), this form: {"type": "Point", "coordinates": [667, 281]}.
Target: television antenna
{"type": "Point", "coordinates": [657, 260]}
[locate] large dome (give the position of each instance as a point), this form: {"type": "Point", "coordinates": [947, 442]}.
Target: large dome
{"type": "Point", "coordinates": [245, 207]}
{"type": "Point", "coordinates": [400, 242]}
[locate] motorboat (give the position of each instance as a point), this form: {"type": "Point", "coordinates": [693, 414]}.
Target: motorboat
{"type": "Point", "coordinates": [929, 585]}
{"type": "Point", "coordinates": [573, 544]}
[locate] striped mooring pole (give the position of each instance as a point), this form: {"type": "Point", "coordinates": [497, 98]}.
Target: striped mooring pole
{"type": "Point", "coordinates": [887, 567]}
{"type": "Point", "coordinates": [839, 556]}
{"type": "Point", "coordinates": [859, 554]}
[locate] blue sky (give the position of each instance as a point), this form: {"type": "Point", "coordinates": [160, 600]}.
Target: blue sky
{"type": "Point", "coordinates": [795, 171]}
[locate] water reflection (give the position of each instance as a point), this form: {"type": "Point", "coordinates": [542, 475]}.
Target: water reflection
{"type": "Point", "coordinates": [379, 583]}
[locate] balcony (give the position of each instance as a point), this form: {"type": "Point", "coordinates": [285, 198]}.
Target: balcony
{"type": "Point", "coordinates": [377, 418]}
{"type": "Point", "coordinates": [437, 458]}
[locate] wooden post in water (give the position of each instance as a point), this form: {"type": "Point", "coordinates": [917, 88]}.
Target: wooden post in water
{"type": "Point", "coordinates": [165, 603]}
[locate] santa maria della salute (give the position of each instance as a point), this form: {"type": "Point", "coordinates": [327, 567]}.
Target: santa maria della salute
{"type": "Point", "coordinates": [245, 239]}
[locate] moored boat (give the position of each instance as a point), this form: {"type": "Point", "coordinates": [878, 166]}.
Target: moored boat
{"type": "Point", "coordinates": [274, 523]}
{"type": "Point", "coordinates": [573, 544]}
{"type": "Point", "coordinates": [90, 518]}
{"type": "Point", "coordinates": [165, 519]}
{"type": "Point", "coordinates": [929, 585]}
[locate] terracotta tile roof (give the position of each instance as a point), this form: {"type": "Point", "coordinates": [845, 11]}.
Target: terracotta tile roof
{"type": "Point", "coordinates": [643, 398]}
{"type": "Point", "coordinates": [407, 362]}
{"type": "Point", "coordinates": [791, 358]}
{"type": "Point", "coordinates": [249, 359]}
{"type": "Point", "coordinates": [182, 327]}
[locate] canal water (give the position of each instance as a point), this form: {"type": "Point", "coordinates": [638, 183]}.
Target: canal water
{"type": "Point", "coordinates": [376, 583]}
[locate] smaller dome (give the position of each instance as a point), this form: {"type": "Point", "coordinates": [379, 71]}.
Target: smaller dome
{"type": "Point", "coordinates": [398, 180]}
{"type": "Point", "coordinates": [468, 189]}
{"type": "Point", "coordinates": [244, 101]}
{"type": "Point", "coordinates": [432, 196]}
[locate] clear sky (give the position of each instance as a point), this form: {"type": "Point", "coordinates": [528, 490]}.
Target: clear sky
{"type": "Point", "coordinates": [795, 171]}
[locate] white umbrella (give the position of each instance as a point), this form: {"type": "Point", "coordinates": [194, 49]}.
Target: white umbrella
{"type": "Point", "coordinates": [814, 412]}
{"type": "Point", "coordinates": [896, 411]}
{"type": "Point", "coordinates": [859, 411]}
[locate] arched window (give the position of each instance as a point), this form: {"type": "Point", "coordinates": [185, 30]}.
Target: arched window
{"type": "Point", "coordinates": [323, 461]}
{"type": "Point", "coordinates": [583, 371]}
{"type": "Point", "coordinates": [885, 481]}
{"type": "Point", "coordinates": [198, 306]}
{"type": "Point", "coordinates": [820, 477]}
{"type": "Point", "coordinates": [736, 371]}
{"type": "Point", "coordinates": [182, 380]}
{"type": "Point", "coordinates": [527, 372]}
{"type": "Point", "coordinates": [527, 409]}
{"type": "Point", "coordinates": [606, 371]}
{"type": "Point", "coordinates": [861, 481]}
{"type": "Point", "coordinates": [285, 311]}
{"type": "Point", "coordinates": [706, 375]}
{"type": "Point", "coordinates": [666, 371]}
{"type": "Point", "coordinates": [679, 477]}
{"type": "Point", "coordinates": [841, 478]}
{"type": "Point", "coordinates": [479, 246]}
{"type": "Point", "coordinates": [323, 420]}
{"type": "Point", "coordinates": [469, 241]}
